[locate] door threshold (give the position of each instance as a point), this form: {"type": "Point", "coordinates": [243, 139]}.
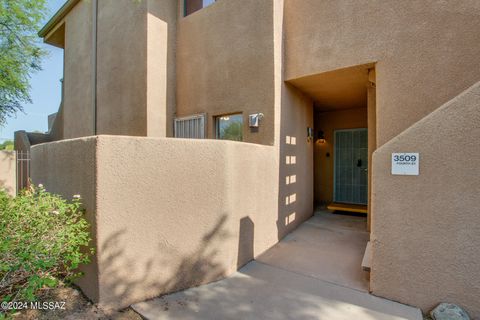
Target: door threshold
{"type": "Point", "coordinates": [357, 208]}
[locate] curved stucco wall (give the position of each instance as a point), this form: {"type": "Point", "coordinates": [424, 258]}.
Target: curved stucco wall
{"type": "Point", "coordinates": [167, 213]}
{"type": "Point", "coordinates": [427, 51]}
{"type": "Point", "coordinates": [170, 212]}
{"type": "Point", "coordinates": [426, 228]}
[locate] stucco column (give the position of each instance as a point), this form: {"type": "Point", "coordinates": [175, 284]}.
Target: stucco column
{"type": "Point", "coordinates": [372, 136]}
{"type": "Point", "coordinates": [136, 67]}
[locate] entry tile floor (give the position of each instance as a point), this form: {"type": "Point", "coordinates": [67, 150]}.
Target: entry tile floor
{"type": "Point", "coordinates": [313, 273]}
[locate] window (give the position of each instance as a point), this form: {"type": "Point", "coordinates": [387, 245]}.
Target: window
{"type": "Point", "coordinates": [229, 127]}
{"type": "Point", "coordinates": [192, 127]}
{"type": "Point", "coordinates": [194, 5]}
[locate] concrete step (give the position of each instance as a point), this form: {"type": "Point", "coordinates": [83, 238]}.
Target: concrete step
{"type": "Point", "coordinates": [357, 208]}
{"type": "Point", "coordinates": [367, 258]}
{"type": "Point", "coordinates": [260, 291]}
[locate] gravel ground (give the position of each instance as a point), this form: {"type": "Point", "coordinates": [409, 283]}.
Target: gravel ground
{"type": "Point", "coordinates": [77, 307]}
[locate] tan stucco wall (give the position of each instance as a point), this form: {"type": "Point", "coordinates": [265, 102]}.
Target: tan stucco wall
{"type": "Point", "coordinates": [78, 72]}
{"type": "Point", "coordinates": [136, 67]}
{"type": "Point", "coordinates": [169, 213]}
{"type": "Point", "coordinates": [161, 67]}
{"type": "Point", "coordinates": [56, 132]}
{"type": "Point", "coordinates": [148, 194]}
{"type": "Point", "coordinates": [122, 67]}
{"type": "Point", "coordinates": [427, 51]}
{"type": "Point", "coordinates": [293, 115]}
{"type": "Point", "coordinates": [295, 198]}
{"type": "Point", "coordinates": [231, 58]}
{"type": "Point", "coordinates": [225, 64]}
{"type": "Point", "coordinates": [328, 122]}
{"type": "Point", "coordinates": [67, 168]}
{"type": "Point", "coordinates": [8, 172]}
{"type": "Point", "coordinates": [426, 228]}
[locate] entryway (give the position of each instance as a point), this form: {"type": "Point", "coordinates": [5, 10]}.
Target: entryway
{"type": "Point", "coordinates": [313, 273]}
{"type": "Point", "coordinates": [344, 134]}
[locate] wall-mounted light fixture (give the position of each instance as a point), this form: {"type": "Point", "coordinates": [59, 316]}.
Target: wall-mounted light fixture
{"type": "Point", "coordinates": [254, 120]}
{"type": "Point", "coordinates": [321, 137]}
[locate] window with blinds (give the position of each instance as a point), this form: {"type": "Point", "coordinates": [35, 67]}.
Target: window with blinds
{"type": "Point", "coordinates": [192, 127]}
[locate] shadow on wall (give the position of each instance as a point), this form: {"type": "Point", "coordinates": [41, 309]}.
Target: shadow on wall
{"type": "Point", "coordinates": [245, 241]}
{"type": "Point", "coordinates": [295, 199]}
{"type": "Point", "coordinates": [120, 287]}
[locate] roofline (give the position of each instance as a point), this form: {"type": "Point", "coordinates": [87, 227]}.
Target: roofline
{"type": "Point", "coordinates": [61, 13]}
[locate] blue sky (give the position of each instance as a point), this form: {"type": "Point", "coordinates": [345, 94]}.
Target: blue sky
{"type": "Point", "coordinates": [45, 91]}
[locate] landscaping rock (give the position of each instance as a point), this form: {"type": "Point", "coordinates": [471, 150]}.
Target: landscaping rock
{"type": "Point", "coordinates": [449, 311]}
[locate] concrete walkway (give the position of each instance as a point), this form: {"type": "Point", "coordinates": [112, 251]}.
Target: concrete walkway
{"type": "Point", "coordinates": [328, 247]}
{"type": "Point", "coordinates": [311, 274]}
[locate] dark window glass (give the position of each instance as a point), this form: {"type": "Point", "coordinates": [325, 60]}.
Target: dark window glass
{"type": "Point", "coordinates": [194, 5]}
{"type": "Point", "coordinates": [229, 127]}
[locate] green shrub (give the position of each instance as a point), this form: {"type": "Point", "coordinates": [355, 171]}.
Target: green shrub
{"type": "Point", "coordinates": [43, 240]}
{"type": "Point", "coordinates": [7, 145]}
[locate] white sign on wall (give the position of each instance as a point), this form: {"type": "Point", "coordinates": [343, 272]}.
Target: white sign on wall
{"type": "Point", "coordinates": [406, 164]}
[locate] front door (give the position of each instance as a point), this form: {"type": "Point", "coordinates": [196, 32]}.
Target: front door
{"type": "Point", "coordinates": [350, 157]}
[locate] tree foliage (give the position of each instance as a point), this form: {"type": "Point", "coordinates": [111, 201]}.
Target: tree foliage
{"type": "Point", "coordinates": [20, 53]}
{"type": "Point", "coordinates": [233, 131]}
{"type": "Point", "coordinates": [7, 145]}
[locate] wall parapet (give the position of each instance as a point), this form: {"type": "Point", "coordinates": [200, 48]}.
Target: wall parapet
{"type": "Point", "coordinates": [430, 243]}
{"type": "Point", "coordinates": [166, 213]}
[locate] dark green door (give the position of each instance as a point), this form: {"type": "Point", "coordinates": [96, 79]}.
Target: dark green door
{"type": "Point", "coordinates": [351, 163]}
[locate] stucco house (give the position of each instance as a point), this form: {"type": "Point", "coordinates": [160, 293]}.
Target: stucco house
{"type": "Point", "coordinates": [369, 105]}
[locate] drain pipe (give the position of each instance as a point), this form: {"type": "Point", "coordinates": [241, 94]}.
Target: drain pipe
{"type": "Point", "coordinates": [94, 64]}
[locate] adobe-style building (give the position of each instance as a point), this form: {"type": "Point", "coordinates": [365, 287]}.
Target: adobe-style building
{"type": "Point", "coordinates": [366, 104]}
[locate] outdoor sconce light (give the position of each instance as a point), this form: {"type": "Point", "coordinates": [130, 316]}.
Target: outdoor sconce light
{"type": "Point", "coordinates": [321, 137]}
{"type": "Point", "coordinates": [254, 120]}
{"type": "Point", "coordinates": [309, 134]}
